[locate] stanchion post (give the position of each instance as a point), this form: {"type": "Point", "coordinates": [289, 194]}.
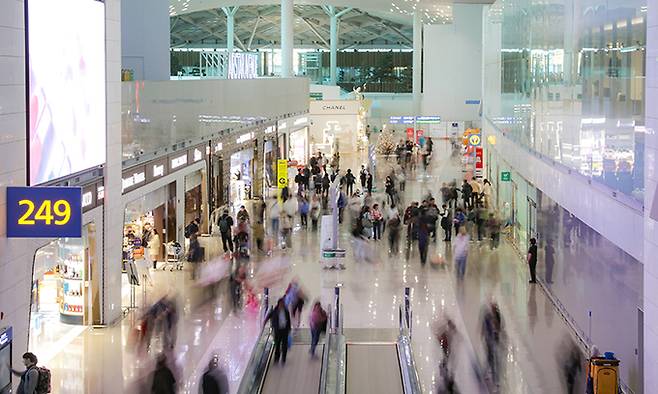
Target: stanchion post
{"type": "Point", "coordinates": [337, 307]}
{"type": "Point", "coordinates": [407, 306]}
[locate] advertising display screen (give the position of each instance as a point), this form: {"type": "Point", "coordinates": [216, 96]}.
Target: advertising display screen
{"type": "Point", "coordinates": [65, 52]}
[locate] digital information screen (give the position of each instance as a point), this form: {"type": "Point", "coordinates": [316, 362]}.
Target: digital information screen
{"type": "Point", "coordinates": [44, 212]}
{"type": "Point", "coordinates": [65, 51]}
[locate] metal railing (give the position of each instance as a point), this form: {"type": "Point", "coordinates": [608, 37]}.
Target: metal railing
{"type": "Point", "coordinates": [410, 380]}
{"type": "Point", "coordinates": [254, 375]}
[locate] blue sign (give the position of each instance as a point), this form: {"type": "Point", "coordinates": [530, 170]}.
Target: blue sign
{"type": "Point", "coordinates": [401, 119]}
{"type": "Point", "coordinates": [6, 336]}
{"type": "Point", "coordinates": [472, 102]}
{"type": "Point", "coordinates": [44, 212]}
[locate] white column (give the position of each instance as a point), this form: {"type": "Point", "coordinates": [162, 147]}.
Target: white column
{"type": "Point", "coordinates": [230, 27]}
{"type": "Point", "coordinates": [417, 63]}
{"type": "Point", "coordinates": [333, 46]}
{"type": "Point", "coordinates": [287, 37]}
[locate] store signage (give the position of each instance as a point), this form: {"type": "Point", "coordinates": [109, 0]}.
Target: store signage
{"type": "Point", "coordinates": [428, 119]}
{"type": "Point", "coordinates": [243, 65]}
{"type": "Point", "coordinates": [401, 120]}
{"type": "Point", "coordinates": [316, 95]}
{"type": "Point", "coordinates": [505, 176]}
{"type": "Point", "coordinates": [178, 161]}
{"type": "Point", "coordinates": [300, 121]}
{"type": "Point", "coordinates": [197, 155]}
{"type": "Point", "coordinates": [419, 134]}
{"type": "Point", "coordinates": [133, 178]}
{"type": "Point", "coordinates": [479, 158]}
{"type": "Point", "coordinates": [282, 173]}
{"type": "Point", "coordinates": [283, 125]}
{"type": "Point", "coordinates": [472, 102]}
{"type": "Point", "coordinates": [218, 147]}
{"type": "Point", "coordinates": [474, 140]}
{"type": "Point", "coordinates": [87, 199]}
{"type": "Point", "coordinates": [100, 193]}
{"type": "Point", "coordinates": [44, 212]}
{"type": "Point", "coordinates": [245, 137]}
{"type": "Point", "coordinates": [6, 336]}
{"type": "Point", "coordinates": [270, 130]}
{"type": "Point", "coordinates": [158, 170]}
{"type": "Point", "coordinates": [334, 107]}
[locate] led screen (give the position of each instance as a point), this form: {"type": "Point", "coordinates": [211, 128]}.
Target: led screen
{"type": "Point", "coordinates": [66, 87]}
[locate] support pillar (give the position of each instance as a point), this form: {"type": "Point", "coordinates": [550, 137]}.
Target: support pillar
{"type": "Point", "coordinates": [417, 64]}
{"type": "Point", "coordinates": [230, 27]}
{"type": "Point", "coordinates": [287, 37]}
{"type": "Point", "coordinates": [334, 18]}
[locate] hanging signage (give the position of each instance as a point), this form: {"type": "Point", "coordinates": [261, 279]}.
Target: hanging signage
{"type": "Point", "coordinates": [506, 176]}
{"type": "Point", "coordinates": [44, 212]}
{"type": "Point", "coordinates": [474, 140]}
{"type": "Point", "coordinates": [472, 102]}
{"type": "Point", "coordinates": [177, 160]}
{"type": "Point", "coordinates": [245, 137]}
{"type": "Point", "coordinates": [196, 154]}
{"type": "Point", "coordinates": [428, 119]}
{"type": "Point", "coordinates": [334, 107]}
{"type": "Point", "coordinates": [419, 135]}
{"type": "Point", "coordinates": [243, 65]}
{"type": "Point", "coordinates": [479, 158]}
{"type": "Point", "coordinates": [282, 173]}
{"type": "Point", "coordinates": [156, 169]}
{"type": "Point", "coordinates": [410, 133]}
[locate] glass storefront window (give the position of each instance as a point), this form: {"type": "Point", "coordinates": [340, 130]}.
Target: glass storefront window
{"type": "Point", "coordinates": [572, 84]}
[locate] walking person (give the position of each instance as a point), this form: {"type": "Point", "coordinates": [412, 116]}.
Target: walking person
{"type": "Point", "coordinates": [163, 379]}
{"type": "Point", "coordinates": [424, 224]}
{"type": "Point", "coordinates": [466, 190]}
{"type": "Point", "coordinates": [318, 324]}
{"type": "Point", "coordinates": [362, 177]}
{"type": "Point", "coordinates": [532, 260]}
{"type": "Point", "coordinates": [460, 251]}
{"type": "Point", "coordinates": [326, 182]}
{"type": "Point", "coordinates": [225, 224]}
{"type": "Point", "coordinates": [446, 223]}
{"type": "Point", "coordinates": [369, 182]}
{"type": "Point", "coordinates": [350, 179]}
{"type": "Point", "coordinates": [29, 377]}
{"type": "Point", "coordinates": [304, 208]}
{"type": "Point", "coordinates": [377, 220]}
{"type": "Point", "coordinates": [394, 228]}
{"type": "Point", "coordinates": [279, 319]}
{"type": "Point", "coordinates": [274, 214]}
{"type": "Point", "coordinates": [390, 190]}
{"type": "Point", "coordinates": [214, 380]}
{"type": "Point", "coordinates": [315, 212]}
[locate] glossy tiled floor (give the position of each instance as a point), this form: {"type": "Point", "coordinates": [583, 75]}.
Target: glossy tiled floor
{"type": "Point", "coordinates": [105, 361]}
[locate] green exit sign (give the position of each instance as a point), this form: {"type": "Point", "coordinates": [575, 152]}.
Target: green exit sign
{"type": "Point", "coordinates": [505, 176]}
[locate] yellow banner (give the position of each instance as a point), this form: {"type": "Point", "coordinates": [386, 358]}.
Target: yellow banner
{"type": "Point", "coordinates": [282, 173]}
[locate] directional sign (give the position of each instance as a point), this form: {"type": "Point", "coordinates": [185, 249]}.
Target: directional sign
{"type": "Point", "coordinates": [505, 176]}
{"type": "Point", "coordinates": [474, 140]}
{"type": "Point", "coordinates": [282, 173]}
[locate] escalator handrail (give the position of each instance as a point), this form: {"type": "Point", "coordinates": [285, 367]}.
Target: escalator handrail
{"type": "Point", "coordinates": [410, 380]}
{"type": "Point", "coordinates": [325, 355]}
{"type": "Point", "coordinates": [254, 374]}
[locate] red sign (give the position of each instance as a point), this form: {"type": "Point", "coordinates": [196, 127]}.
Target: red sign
{"type": "Point", "coordinates": [410, 133]}
{"type": "Point", "coordinates": [419, 133]}
{"type": "Point", "coordinates": [479, 158]}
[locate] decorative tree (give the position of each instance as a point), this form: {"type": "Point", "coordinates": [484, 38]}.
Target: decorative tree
{"type": "Point", "coordinates": [386, 143]}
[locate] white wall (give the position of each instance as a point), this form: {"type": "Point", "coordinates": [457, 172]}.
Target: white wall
{"type": "Point", "coordinates": [145, 38]}
{"type": "Point", "coordinates": [651, 204]}
{"type": "Point", "coordinates": [452, 65]}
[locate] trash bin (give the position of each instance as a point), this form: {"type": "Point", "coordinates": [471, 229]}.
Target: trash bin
{"type": "Point", "coordinates": [604, 375]}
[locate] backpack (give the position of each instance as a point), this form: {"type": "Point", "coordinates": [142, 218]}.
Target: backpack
{"type": "Point", "coordinates": [224, 226]}
{"type": "Point", "coordinates": [43, 384]}
{"type": "Point", "coordinates": [188, 231]}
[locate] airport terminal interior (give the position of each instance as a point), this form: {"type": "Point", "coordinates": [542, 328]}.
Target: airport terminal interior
{"type": "Point", "coordinates": [301, 196]}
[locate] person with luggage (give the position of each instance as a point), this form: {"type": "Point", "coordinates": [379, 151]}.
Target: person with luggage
{"type": "Point", "coordinates": [214, 380]}
{"type": "Point", "coordinates": [318, 324]}
{"type": "Point", "coordinates": [33, 378]}
{"type": "Point", "coordinates": [532, 260]}
{"type": "Point", "coordinates": [279, 319]}
{"type": "Point", "coordinates": [192, 228]}
{"type": "Point", "coordinates": [225, 224]}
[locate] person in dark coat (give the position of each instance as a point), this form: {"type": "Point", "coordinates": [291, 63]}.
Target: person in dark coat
{"type": "Point", "coordinates": [362, 177]}
{"type": "Point", "coordinates": [279, 319]}
{"type": "Point", "coordinates": [532, 260]}
{"type": "Point", "coordinates": [325, 185]}
{"type": "Point", "coordinates": [29, 377]}
{"type": "Point", "coordinates": [350, 179]}
{"type": "Point", "coordinates": [163, 379]}
{"type": "Point", "coordinates": [369, 182]}
{"type": "Point", "coordinates": [214, 380]}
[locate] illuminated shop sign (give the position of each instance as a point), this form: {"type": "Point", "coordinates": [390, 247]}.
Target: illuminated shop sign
{"type": "Point", "coordinates": [245, 137]}
{"type": "Point", "coordinates": [414, 119]}
{"type": "Point", "coordinates": [6, 336]}
{"type": "Point", "coordinates": [100, 193]}
{"type": "Point", "coordinates": [243, 65]}
{"type": "Point", "coordinates": [158, 170]}
{"type": "Point", "coordinates": [218, 147]}
{"type": "Point", "coordinates": [197, 154]}
{"type": "Point", "coordinates": [87, 199]}
{"type": "Point", "coordinates": [44, 212]}
{"type": "Point", "coordinates": [270, 130]}
{"type": "Point", "coordinates": [178, 161]}
{"type": "Point", "coordinates": [283, 125]}
{"type": "Point", "coordinates": [133, 178]}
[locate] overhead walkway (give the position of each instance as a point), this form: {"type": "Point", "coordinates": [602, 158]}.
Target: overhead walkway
{"type": "Point", "coordinates": [349, 362]}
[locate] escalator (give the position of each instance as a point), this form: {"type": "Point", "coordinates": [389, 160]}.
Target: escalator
{"type": "Point", "coordinates": [349, 361]}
